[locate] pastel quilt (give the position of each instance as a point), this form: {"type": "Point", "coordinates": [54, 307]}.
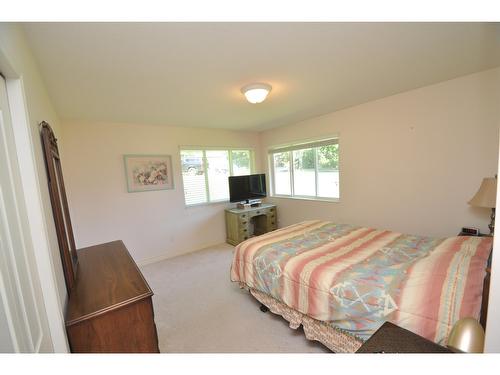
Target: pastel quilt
{"type": "Point", "coordinates": [357, 278]}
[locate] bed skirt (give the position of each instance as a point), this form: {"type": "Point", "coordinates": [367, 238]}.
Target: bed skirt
{"type": "Point", "coordinates": [334, 339]}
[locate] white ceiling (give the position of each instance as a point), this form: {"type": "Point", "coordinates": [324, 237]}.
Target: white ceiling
{"type": "Point", "coordinates": [190, 74]}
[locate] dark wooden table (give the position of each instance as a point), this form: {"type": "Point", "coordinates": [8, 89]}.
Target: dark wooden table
{"type": "Point", "coordinates": [390, 338]}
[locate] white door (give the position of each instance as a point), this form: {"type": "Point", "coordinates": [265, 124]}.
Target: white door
{"type": "Point", "coordinates": [23, 319]}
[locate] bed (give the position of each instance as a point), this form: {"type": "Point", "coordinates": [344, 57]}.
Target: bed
{"type": "Point", "coordinates": [342, 282]}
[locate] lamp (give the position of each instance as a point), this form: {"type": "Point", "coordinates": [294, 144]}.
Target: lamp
{"type": "Point", "coordinates": [256, 92]}
{"type": "Point", "coordinates": [466, 336]}
{"type": "Point", "coordinates": [486, 197]}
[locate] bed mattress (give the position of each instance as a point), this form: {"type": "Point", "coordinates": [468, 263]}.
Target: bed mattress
{"type": "Point", "coordinates": [356, 278]}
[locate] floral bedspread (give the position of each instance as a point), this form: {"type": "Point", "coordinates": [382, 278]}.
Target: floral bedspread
{"type": "Point", "coordinates": [357, 278]}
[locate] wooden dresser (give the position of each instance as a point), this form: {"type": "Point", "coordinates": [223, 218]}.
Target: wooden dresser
{"type": "Point", "coordinates": [110, 308]}
{"type": "Point", "coordinates": [109, 301]}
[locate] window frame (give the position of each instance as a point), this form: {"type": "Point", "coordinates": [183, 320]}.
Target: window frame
{"type": "Point", "coordinates": [204, 149]}
{"type": "Point", "coordinates": [314, 144]}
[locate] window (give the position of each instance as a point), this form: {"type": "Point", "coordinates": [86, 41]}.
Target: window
{"type": "Point", "coordinates": [309, 170]}
{"type": "Point", "coordinates": [205, 172]}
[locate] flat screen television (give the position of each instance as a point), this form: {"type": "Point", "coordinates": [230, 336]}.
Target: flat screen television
{"type": "Point", "coordinates": [244, 188]}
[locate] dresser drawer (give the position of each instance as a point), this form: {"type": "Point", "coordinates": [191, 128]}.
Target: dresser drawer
{"type": "Point", "coordinates": [260, 211]}
{"type": "Point", "coordinates": [130, 329]}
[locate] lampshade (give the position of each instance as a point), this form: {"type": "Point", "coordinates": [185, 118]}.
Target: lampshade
{"type": "Point", "coordinates": [256, 92]}
{"type": "Point", "coordinates": [467, 336]}
{"type": "Point", "coordinates": [486, 195]}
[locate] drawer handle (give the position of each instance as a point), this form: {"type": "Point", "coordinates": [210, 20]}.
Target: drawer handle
{"type": "Point", "coordinates": [243, 215]}
{"type": "Point", "coordinates": [243, 222]}
{"type": "Point", "coordinates": [258, 212]}
{"type": "Point", "coordinates": [246, 237]}
{"type": "Point", "coordinates": [244, 230]}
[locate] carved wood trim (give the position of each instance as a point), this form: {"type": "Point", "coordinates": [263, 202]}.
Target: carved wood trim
{"type": "Point", "coordinates": [59, 203]}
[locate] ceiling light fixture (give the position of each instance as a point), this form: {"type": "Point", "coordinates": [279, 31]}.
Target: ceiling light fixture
{"type": "Point", "coordinates": [256, 92]}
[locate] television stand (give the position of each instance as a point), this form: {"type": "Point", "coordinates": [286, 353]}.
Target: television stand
{"type": "Point", "coordinates": [244, 223]}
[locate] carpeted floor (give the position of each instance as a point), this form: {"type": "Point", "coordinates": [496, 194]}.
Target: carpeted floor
{"type": "Point", "coordinates": [199, 310]}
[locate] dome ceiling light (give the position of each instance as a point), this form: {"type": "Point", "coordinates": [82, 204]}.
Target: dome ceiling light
{"type": "Point", "coordinates": [256, 92]}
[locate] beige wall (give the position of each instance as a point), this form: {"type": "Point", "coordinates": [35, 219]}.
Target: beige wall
{"type": "Point", "coordinates": [153, 225]}
{"type": "Point", "coordinates": [409, 162]}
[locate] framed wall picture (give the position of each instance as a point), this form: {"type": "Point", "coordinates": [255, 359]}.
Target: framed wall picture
{"type": "Point", "coordinates": [148, 172]}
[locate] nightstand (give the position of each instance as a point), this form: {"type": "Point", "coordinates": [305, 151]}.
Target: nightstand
{"type": "Point", "coordinates": [390, 338]}
{"type": "Point", "coordinates": [479, 235]}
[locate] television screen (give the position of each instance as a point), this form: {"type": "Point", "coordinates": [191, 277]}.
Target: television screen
{"type": "Point", "coordinates": [242, 188]}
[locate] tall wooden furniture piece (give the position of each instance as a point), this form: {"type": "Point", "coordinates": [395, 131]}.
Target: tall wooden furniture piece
{"type": "Point", "coordinates": [242, 224]}
{"type": "Point", "coordinates": [59, 203]}
{"type": "Point", "coordinates": [109, 306]}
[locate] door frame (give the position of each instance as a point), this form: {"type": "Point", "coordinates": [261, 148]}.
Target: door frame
{"type": "Point", "coordinates": [30, 195]}
{"type": "Point", "coordinates": [492, 339]}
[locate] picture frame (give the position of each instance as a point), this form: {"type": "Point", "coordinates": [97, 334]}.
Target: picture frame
{"type": "Point", "coordinates": [148, 172]}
